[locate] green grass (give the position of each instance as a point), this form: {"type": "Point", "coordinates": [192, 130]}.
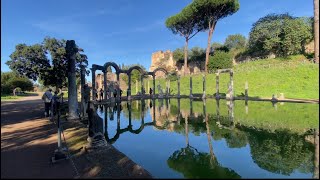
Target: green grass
{"type": "Point", "coordinates": [7, 97]}
{"type": "Point", "coordinates": [288, 76]}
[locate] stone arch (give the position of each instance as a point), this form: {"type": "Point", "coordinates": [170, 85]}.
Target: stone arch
{"type": "Point", "coordinates": [114, 65]}
{"type": "Point", "coordinates": [160, 69]}
{"type": "Point", "coordinates": [137, 68]}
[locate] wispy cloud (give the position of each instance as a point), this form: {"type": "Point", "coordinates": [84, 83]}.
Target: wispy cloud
{"type": "Point", "coordinates": [140, 29]}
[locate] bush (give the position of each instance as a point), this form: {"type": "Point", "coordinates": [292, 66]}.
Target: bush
{"type": "Point", "coordinates": [220, 60]}
{"type": "Point", "coordinates": [173, 76]}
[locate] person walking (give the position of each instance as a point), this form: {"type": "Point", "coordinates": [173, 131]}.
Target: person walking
{"type": "Point", "coordinates": [47, 98]}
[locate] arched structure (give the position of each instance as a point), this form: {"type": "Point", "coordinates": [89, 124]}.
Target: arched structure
{"type": "Point", "coordinates": [154, 79]}
{"type": "Point", "coordinates": [142, 73]}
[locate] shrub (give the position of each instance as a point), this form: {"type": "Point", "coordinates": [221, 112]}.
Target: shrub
{"type": "Point", "coordinates": [220, 60]}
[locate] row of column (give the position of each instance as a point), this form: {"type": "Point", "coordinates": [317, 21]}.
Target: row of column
{"type": "Point", "coordinates": [230, 87]}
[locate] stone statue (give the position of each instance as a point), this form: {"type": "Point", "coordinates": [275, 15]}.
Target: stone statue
{"type": "Point", "coordinates": [160, 91]}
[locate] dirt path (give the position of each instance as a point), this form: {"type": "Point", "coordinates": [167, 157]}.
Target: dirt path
{"type": "Point", "coordinates": [28, 141]}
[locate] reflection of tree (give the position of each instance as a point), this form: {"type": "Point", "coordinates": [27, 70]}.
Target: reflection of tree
{"type": "Point", "coordinates": [194, 164]}
{"type": "Point", "coordinates": [280, 152]}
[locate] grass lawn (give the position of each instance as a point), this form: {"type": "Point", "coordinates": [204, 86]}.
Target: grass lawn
{"type": "Point", "coordinates": [6, 97]}
{"type": "Point", "coordinates": [265, 78]}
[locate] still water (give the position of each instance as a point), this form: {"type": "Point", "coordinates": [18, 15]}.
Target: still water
{"type": "Point", "coordinates": [215, 139]}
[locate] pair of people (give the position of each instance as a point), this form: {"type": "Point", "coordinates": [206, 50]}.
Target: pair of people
{"type": "Point", "coordinates": [50, 100]}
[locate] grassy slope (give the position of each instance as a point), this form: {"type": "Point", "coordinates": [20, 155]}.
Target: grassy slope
{"type": "Point", "coordinates": [287, 76]}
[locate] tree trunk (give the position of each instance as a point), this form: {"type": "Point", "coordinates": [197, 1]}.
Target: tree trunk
{"type": "Point", "coordinates": [186, 57]}
{"type": "Point", "coordinates": [211, 29]}
{"type": "Point", "coordinates": [72, 87]}
{"type": "Point", "coordinates": [316, 30]}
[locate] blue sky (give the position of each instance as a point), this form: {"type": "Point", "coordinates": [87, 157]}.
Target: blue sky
{"type": "Point", "coordinates": [123, 31]}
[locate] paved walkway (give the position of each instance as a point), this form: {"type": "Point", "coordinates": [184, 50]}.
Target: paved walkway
{"type": "Point", "coordinates": [28, 141]}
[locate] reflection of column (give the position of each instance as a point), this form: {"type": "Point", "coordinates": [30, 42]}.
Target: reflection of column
{"type": "Point", "coordinates": [93, 70]}
{"type": "Point", "coordinates": [142, 112]}
{"type": "Point", "coordinates": [218, 109]}
{"type": "Point", "coordinates": [209, 141]}
{"type": "Point", "coordinates": [179, 113]}
{"type": "Point", "coordinates": [316, 155]}
{"type": "Point", "coordinates": [105, 110]}
{"type": "Point", "coordinates": [105, 83]}
{"type": "Point", "coordinates": [118, 116]}
{"type": "Point", "coordinates": [129, 109]}
{"type": "Point", "coordinates": [204, 110]}
{"type": "Point", "coordinates": [191, 107]}
{"type": "Point", "coordinates": [247, 108]}
{"type": "Point", "coordinates": [154, 110]}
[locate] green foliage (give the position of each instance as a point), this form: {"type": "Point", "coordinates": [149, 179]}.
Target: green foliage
{"type": "Point", "coordinates": [197, 54]}
{"type": "Point", "coordinates": [216, 45]}
{"type": "Point", "coordinates": [236, 41]}
{"type": "Point", "coordinates": [32, 61]}
{"type": "Point", "coordinates": [220, 60]}
{"type": "Point", "coordinates": [280, 34]}
{"type": "Point", "coordinates": [209, 11]}
{"type": "Point", "coordinates": [11, 80]}
{"type": "Point", "coordinates": [178, 54]}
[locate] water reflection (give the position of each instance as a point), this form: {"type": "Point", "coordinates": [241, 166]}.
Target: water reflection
{"type": "Point", "coordinates": [280, 152]}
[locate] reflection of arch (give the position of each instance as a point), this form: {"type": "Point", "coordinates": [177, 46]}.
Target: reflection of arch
{"type": "Point", "coordinates": [114, 65]}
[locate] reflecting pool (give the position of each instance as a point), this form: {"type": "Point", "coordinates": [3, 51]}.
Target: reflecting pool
{"type": "Point", "coordinates": [215, 139]}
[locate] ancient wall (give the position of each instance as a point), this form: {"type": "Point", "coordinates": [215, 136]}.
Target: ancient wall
{"type": "Point", "coordinates": [165, 59]}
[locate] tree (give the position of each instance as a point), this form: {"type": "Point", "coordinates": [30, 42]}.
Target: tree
{"type": "Point", "coordinates": [197, 54]}
{"type": "Point", "coordinates": [178, 55]}
{"type": "Point", "coordinates": [33, 62]}
{"type": "Point", "coordinates": [209, 12]}
{"type": "Point", "coordinates": [316, 30]}
{"type": "Point", "coordinates": [185, 24]}
{"type": "Point", "coordinates": [12, 80]}
{"type": "Point", "coordinates": [135, 74]}
{"type": "Point", "coordinates": [280, 34]}
{"type": "Point", "coordinates": [236, 41]}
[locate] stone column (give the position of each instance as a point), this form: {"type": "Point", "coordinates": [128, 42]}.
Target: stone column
{"type": "Point", "coordinates": [148, 86]}
{"type": "Point", "coordinates": [136, 86]}
{"type": "Point", "coordinates": [118, 89]}
{"type": "Point", "coordinates": [154, 85]}
{"type": "Point", "coordinates": [231, 83]}
{"type": "Point", "coordinates": [178, 86]}
{"type": "Point", "coordinates": [217, 86]}
{"type": "Point", "coordinates": [169, 87]}
{"type": "Point", "coordinates": [105, 96]}
{"type": "Point", "coordinates": [93, 70]}
{"type": "Point", "coordinates": [246, 90]}
{"type": "Point", "coordinates": [71, 51]}
{"type": "Point", "coordinates": [83, 81]}
{"type": "Point", "coordinates": [142, 85]}
{"type": "Point", "coordinates": [191, 87]}
{"type": "Point", "coordinates": [204, 86]}
{"type": "Point", "coordinates": [129, 86]}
